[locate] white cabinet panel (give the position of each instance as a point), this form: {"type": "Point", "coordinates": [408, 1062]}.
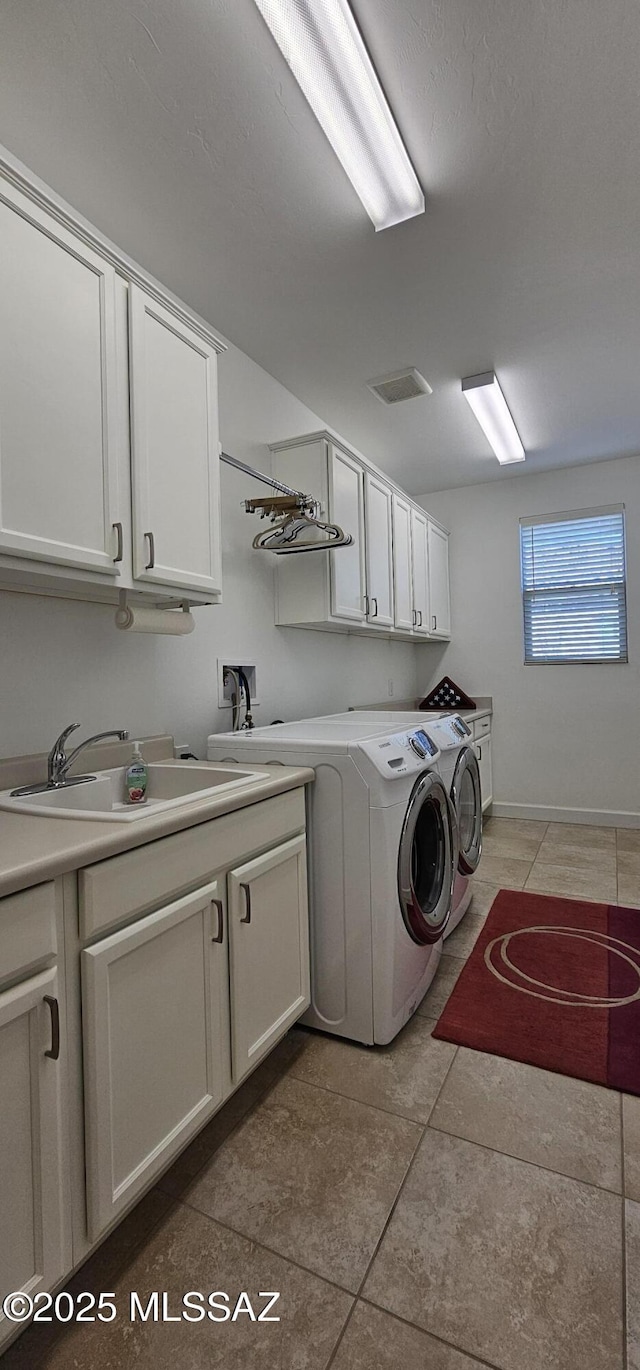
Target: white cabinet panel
{"type": "Point", "coordinates": [346, 505]}
{"type": "Point", "coordinates": [175, 460]}
{"type": "Point", "coordinates": [58, 404]}
{"type": "Point", "coordinates": [269, 949]}
{"type": "Point", "coordinates": [483, 752]}
{"type": "Point", "coordinates": [420, 572]}
{"type": "Point", "coordinates": [439, 610]}
{"type": "Point", "coordinates": [153, 1004]}
{"type": "Point", "coordinates": [34, 1252]}
{"type": "Point", "coordinates": [403, 602]}
{"type": "Point", "coordinates": [379, 551]}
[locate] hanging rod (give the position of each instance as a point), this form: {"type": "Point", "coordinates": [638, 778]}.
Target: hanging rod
{"type": "Point", "coordinates": [266, 480]}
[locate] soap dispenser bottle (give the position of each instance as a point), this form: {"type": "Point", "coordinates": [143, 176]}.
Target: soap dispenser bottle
{"type": "Point", "coordinates": [136, 777]}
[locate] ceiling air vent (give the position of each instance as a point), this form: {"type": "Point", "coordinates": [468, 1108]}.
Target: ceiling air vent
{"type": "Point", "coordinates": [401, 385]}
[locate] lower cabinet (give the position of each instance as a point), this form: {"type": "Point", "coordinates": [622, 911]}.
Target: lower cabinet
{"type": "Point", "coordinates": [482, 750]}
{"type": "Point", "coordinates": [33, 1190]}
{"type": "Point", "coordinates": [153, 1004]}
{"type": "Point", "coordinates": [177, 1008]}
{"type": "Point", "coordinates": [269, 951]}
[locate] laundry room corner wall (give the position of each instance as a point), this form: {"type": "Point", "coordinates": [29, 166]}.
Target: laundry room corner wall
{"type": "Point", "coordinates": [564, 738]}
{"type": "Point", "coordinates": [64, 661]}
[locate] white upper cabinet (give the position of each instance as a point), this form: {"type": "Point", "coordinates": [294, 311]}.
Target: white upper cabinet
{"type": "Point", "coordinates": [175, 462]}
{"type": "Point", "coordinates": [379, 550]}
{"type": "Point", "coordinates": [58, 384]}
{"type": "Point", "coordinates": [402, 581]}
{"type": "Point", "coordinates": [346, 507]}
{"type": "Point", "coordinates": [439, 608]}
{"type": "Point", "coordinates": [420, 572]}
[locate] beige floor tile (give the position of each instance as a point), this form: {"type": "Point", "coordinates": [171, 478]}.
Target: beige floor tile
{"type": "Point", "coordinates": [507, 1261]}
{"type": "Point", "coordinates": [461, 941]}
{"type": "Point", "coordinates": [441, 987]}
{"type": "Point", "coordinates": [628, 839]}
{"type": "Point", "coordinates": [483, 894]}
{"type": "Point", "coordinates": [175, 1180]}
{"type": "Point", "coordinates": [515, 827]}
{"type": "Point", "coordinates": [99, 1273]}
{"type": "Point", "coordinates": [522, 848]}
{"type": "Point", "coordinates": [190, 1252]}
{"type": "Point", "coordinates": [507, 872]}
{"type": "Point", "coordinates": [404, 1077]}
{"type": "Point", "coordinates": [312, 1175]}
{"type": "Point", "coordinates": [552, 1120]}
{"type": "Point", "coordinates": [632, 1238]}
{"type": "Point", "coordinates": [599, 859]}
{"type": "Point", "coordinates": [576, 884]}
{"type": "Point", "coordinates": [377, 1341]}
{"type": "Point", "coordinates": [631, 1133]}
{"type": "Point", "coordinates": [629, 878]}
{"type": "Point", "coordinates": [581, 835]}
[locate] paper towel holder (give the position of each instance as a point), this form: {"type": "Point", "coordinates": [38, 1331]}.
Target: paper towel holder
{"type": "Point", "coordinates": [124, 617]}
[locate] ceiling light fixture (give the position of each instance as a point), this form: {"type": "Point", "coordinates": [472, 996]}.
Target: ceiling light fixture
{"type": "Point", "coordinates": [488, 403]}
{"type": "Point", "coordinates": [321, 42]}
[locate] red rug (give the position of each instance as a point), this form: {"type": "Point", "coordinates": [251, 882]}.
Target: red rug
{"type": "Point", "coordinates": [554, 983]}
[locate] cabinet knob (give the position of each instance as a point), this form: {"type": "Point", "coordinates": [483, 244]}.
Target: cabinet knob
{"type": "Point", "coordinates": [54, 1007]}
{"type": "Point", "coordinates": [152, 552]}
{"type": "Point", "coordinates": [217, 904]}
{"type": "Point", "coordinates": [246, 890]}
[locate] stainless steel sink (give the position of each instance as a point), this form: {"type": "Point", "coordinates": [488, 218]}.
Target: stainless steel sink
{"type": "Point", "coordinates": [171, 784]}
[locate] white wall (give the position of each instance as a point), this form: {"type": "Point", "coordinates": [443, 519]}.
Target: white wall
{"type": "Point", "coordinates": [564, 737]}
{"type": "Point", "coordinates": [63, 662]}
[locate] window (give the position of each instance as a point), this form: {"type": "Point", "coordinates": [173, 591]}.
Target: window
{"type": "Point", "coordinates": [573, 586]}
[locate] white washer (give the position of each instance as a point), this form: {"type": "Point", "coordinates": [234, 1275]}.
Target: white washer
{"type": "Point", "coordinates": [382, 859]}
{"type": "Point", "coordinates": [458, 767]}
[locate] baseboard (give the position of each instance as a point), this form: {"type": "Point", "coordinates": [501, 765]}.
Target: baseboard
{"type": "Point", "coordinates": [604, 818]}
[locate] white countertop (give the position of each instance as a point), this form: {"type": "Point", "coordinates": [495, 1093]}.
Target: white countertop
{"type": "Point", "coordinates": [33, 849]}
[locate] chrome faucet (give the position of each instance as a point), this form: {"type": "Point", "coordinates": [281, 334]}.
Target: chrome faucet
{"type": "Point", "coordinates": [58, 763]}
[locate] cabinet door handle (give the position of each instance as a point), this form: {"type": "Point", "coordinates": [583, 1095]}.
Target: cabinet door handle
{"type": "Point", "coordinates": [479, 753]}
{"type": "Point", "coordinates": [118, 532]}
{"type": "Point", "coordinates": [420, 617]}
{"type": "Point", "coordinates": [54, 1051]}
{"type": "Point", "coordinates": [375, 611]}
{"type": "Point", "coordinates": [246, 890]}
{"type": "Point", "coordinates": [435, 622]}
{"type": "Point", "coordinates": [152, 552]}
{"type": "Point", "coordinates": [414, 617]}
{"type": "Point", "coordinates": [366, 605]}
{"type": "Point", "coordinates": [217, 904]}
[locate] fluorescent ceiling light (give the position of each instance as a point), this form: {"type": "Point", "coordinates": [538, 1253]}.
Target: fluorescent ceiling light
{"type": "Point", "coordinates": [320, 41]}
{"type": "Point", "coordinates": [494, 416]}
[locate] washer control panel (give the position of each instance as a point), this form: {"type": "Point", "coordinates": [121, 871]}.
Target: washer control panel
{"type": "Point", "coordinates": [404, 753]}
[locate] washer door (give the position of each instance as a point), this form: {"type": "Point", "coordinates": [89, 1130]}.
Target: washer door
{"type": "Point", "coordinates": [466, 798]}
{"type": "Point", "coordinates": [426, 860]}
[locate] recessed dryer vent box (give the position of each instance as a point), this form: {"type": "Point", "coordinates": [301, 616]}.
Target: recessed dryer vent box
{"type": "Point", "coordinates": [226, 689]}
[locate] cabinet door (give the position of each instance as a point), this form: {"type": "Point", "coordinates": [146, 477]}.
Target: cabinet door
{"type": "Point", "coordinates": [152, 1010]}
{"type": "Point", "coordinates": [482, 750]}
{"type": "Point", "coordinates": [175, 472]}
{"type": "Point", "coordinates": [439, 611]}
{"type": "Point", "coordinates": [420, 572]}
{"type": "Point", "coordinates": [346, 507]}
{"type": "Point", "coordinates": [379, 551]}
{"type": "Point", "coordinates": [34, 1250]}
{"type": "Point", "coordinates": [58, 403]}
{"type": "Point", "coordinates": [269, 948]}
{"type": "Point", "coordinates": [403, 602]}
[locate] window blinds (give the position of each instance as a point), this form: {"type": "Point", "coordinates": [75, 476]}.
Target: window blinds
{"type": "Point", "coordinates": [573, 586]}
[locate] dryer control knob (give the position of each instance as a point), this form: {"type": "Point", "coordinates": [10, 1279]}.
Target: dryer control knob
{"type": "Point", "coordinates": [417, 748]}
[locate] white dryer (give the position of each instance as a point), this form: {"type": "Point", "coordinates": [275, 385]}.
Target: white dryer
{"type": "Point", "coordinates": [382, 860]}
{"type": "Point", "coordinates": [458, 767]}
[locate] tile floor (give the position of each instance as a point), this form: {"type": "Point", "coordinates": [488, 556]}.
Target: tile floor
{"type": "Point", "coordinates": [418, 1206]}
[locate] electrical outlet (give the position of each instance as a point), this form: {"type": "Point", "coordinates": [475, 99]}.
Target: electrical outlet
{"type": "Point", "coordinates": [226, 687]}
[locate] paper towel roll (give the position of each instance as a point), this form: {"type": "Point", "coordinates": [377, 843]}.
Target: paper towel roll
{"type": "Point", "coordinates": [139, 619]}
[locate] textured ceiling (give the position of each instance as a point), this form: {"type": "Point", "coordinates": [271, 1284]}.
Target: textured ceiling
{"type": "Point", "coordinates": [177, 128]}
